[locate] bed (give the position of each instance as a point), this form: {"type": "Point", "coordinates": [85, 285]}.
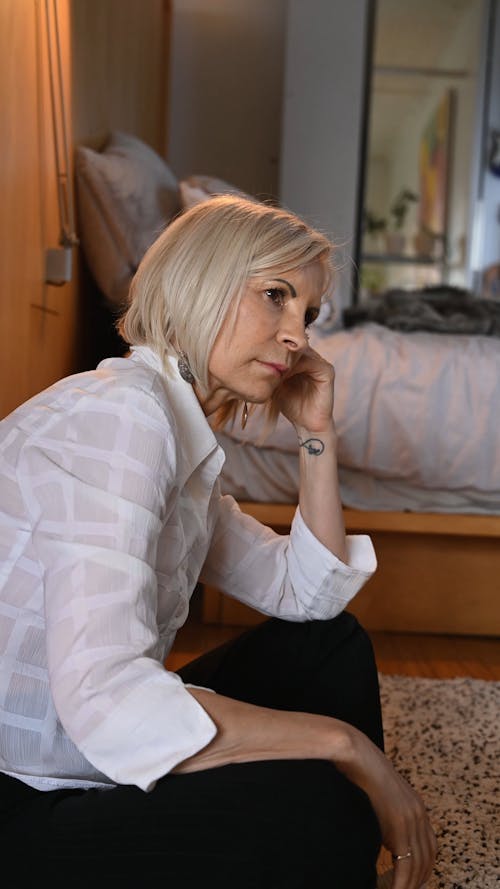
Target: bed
{"type": "Point", "coordinates": [417, 414]}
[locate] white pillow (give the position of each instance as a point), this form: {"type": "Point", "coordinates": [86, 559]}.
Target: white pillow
{"type": "Point", "coordinates": [126, 196]}
{"type": "Point", "coordinates": [197, 188]}
{"type": "Point", "coordinates": [190, 195]}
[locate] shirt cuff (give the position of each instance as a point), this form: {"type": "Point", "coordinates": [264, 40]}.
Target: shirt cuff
{"type": "Point", "coordinates": [360, 552]}
{"type": "Point", "coordinates": [328, 584]}
{"type": "Point", "coordinates": [168, 726]}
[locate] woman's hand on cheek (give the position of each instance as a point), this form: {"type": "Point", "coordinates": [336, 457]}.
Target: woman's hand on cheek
{"type": "Point", "coordinates": [305, 397]}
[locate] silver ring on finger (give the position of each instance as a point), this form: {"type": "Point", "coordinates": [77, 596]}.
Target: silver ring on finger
{"type": "Point", "coordinates": [402, 857]}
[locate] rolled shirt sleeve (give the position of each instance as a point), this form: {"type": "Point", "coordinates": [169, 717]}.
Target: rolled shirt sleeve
{"type": "Point", "coordinates": [294, 577]}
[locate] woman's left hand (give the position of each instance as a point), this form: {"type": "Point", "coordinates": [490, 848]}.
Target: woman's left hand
{"type": "Point", "coordinates": [305, 397]}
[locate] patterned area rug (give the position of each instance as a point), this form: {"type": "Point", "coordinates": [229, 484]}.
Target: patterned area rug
{"type": "Point", "coordinates": [444, 737]}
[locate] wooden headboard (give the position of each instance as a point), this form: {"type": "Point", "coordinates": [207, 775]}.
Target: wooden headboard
{"type": "Point", "coordinates": [115, 64]}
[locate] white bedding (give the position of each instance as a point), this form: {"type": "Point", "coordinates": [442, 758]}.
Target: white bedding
{"type": "Point", "coordinates": [418, 417]}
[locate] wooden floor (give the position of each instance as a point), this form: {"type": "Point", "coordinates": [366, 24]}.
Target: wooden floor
{"type": "Point", "coordinates": [407, 654]}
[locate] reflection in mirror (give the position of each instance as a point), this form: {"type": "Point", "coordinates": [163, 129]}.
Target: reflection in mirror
{"type": "Point", "coordinates": [422, 144]}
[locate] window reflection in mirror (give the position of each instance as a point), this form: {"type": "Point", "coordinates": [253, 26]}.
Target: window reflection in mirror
{"type": "Point", "coordinates": [422, 142]}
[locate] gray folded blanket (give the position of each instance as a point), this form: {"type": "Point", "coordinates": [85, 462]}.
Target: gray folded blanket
{"type": "Point", "coordinates": [440, 309]}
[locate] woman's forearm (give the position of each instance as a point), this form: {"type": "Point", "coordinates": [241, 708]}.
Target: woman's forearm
{"type": "Point", "coordinates": [319, 496]}
{"type": "Point", "coordinates": [246, 733]}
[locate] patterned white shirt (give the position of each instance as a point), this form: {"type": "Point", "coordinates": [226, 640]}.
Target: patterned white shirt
{"type": "Point", "coordinates": [110, 512]}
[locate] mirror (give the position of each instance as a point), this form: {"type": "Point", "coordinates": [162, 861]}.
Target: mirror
{"type": "Point", "coordinates": [421, 172]}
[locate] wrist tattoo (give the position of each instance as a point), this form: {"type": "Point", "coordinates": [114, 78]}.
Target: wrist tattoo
{"type": "Point", "coordinates": [313, 446]}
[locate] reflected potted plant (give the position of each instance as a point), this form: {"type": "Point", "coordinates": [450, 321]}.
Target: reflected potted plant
{"type": "Point", "coordinates": [395, 238]}
{"type": "Point", "coordinates": [374, 228]}
{"type": "Point", "coordinates": [429, 244]}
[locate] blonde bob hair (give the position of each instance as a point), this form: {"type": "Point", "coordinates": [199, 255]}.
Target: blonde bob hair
{"type": "Point", "coordinates": [196, 270]}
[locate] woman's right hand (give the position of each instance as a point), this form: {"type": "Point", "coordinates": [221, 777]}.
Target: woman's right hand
{"type": "Point", "coordinates": [402, 816]}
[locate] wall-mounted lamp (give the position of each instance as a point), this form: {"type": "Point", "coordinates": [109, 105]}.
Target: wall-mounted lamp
{"type": "Point", "coordinates": [58, 260]}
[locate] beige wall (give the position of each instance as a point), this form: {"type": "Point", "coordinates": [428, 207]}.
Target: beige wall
{"type": "Point", "coordinates": [226, 76]}
{"type": "Point", "coordinates": [115, 63]}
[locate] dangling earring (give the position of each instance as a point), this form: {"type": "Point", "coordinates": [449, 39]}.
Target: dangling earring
{"type": "Point", "coordinates": [244, 415]}
{"type": "Point", "coordinates": [184, 368]}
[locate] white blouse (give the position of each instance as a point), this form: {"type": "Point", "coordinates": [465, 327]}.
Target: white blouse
{"type": "Point", "coordinates": [110, 512]}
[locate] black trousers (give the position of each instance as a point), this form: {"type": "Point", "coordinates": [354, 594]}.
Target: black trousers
{"type": "Point", "coordinates": [278, 824]}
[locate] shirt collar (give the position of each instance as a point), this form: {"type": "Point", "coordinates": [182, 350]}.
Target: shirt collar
{"type": "Point", "coordinates": [192, 427]}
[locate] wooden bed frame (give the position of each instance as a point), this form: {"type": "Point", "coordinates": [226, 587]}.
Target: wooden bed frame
{"type": "Point", "coordinates": [437, 573]}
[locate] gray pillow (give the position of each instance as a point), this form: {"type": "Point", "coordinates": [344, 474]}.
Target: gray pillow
{"type": "Point", "coordinates": [127, 194]}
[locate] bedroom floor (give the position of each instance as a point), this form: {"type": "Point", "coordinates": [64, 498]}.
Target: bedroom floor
{"type": "Point", "coordinates": [406, 654]}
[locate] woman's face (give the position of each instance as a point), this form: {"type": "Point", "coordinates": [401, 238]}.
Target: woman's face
{"type": "Point", "coordinates": [254, 351]}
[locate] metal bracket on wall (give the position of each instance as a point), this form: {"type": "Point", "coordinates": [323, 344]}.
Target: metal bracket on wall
{"type": "Point", "coordinates": [58, 265]}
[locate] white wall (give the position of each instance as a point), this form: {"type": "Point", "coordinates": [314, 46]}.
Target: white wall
{"type": "Point", "coordinates": [226, 81]}
{"type": "Point", "coordinates": [322, 120]}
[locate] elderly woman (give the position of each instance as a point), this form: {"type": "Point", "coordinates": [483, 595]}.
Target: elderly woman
{"type": "Point", "coordinates": [260, 764]}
